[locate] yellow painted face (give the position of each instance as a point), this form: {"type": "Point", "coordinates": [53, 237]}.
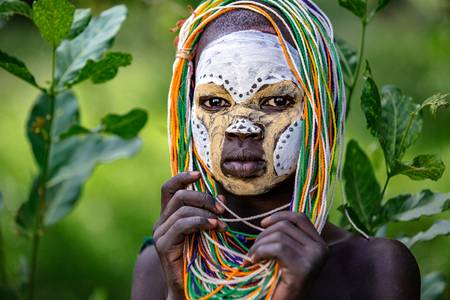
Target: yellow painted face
{"type": "Point", "coordinates": [252, 145]}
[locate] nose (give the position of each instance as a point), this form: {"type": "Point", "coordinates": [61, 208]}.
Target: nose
{"type": "Point", "coordinates": [243, 128]}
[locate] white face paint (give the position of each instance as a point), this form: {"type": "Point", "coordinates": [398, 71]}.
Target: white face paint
{"type": "Point", "coordinates": [242, 62]}
{"type": "Point", "coordinates": [244, 126]}
{"type": "Point", "coordinates": [202, 141]}
{"type": "Point", "coordinates": [287, 149]}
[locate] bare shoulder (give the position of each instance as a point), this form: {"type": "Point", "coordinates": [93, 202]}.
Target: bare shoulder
{"type": "Point", "coordinates": [388, 266]}
{"type": "Point", "coordinates": [148, 280]}
{"type": "Point", "coordinates": [385, 254]}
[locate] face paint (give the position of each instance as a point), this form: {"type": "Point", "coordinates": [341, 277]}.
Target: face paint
{"type": "Point", "coordinates": [286, 149]}
{"type": "Point", "coordinates": [244, 61]}
{"type": "Point", "coordinates": [247, 69]}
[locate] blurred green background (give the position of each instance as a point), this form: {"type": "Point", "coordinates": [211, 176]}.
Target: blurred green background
{"type": "Point", "coordinates": [91, 254]}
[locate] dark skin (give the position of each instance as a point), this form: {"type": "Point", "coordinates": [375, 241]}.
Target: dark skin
{"type": "Point", "coordinates": [334, 264]}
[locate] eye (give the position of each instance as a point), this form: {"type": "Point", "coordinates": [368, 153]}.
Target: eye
{"type": "Point", "coordinates": [214, 103]}
{"type": "Point", "coordinates": [277, 103]}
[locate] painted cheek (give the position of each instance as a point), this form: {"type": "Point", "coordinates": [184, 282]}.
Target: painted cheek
{"type": "Point", "coordinates": [287, 149]}
{"type": "Point", "coordinates": [201, 141]}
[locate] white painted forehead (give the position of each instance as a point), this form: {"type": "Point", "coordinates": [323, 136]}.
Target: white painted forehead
{"type": "Point", "coordinates": [243, 61]}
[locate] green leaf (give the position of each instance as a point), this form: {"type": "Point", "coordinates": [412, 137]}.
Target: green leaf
{"type": "Point", "coordinates": [2, 205]}
{"type": "Point", "coordinates": [17, 68]}
{"type": "Point", "coordinates": [361, 187]}
{"type": "Point", "coordinates": [357, 7]}
{"type": "Point", "coordinates": [127, 126]}
{"type": "Point", "coordinates": [433, 286]}
{"type": "Point", "coordinates": [73, 161]}
{"type": "Point", "coordinates": [381, 4]}
{"type": "Point", "coordinates": [66, 116]}
{"type": "Point", "coordinates": [104, 69]}
{"type": "Point", "coordinates": [411, 207]}
{"type": "Point", "coordinates": [73, 155]}
{"type": "Point", "coordinates": [348, 59]}
{"type": "Point", "coordinates": [354, 218]}
{"type": "Point", "coordinates": [371, 103]}
{"type": "Point", "coordinates": [53, 18]}
{"type": "Point", "coordinates": [436, 102]}
{"type": "Point", "coordinates": [28, 211]}
{"type": "Point", "coordinates": [422, 167]}
{"type": "Point", "coordinates": [91, 44]}
{"type": "Point", "coordinates": [400, 124]}
{"type": "Point", "coordinates": [74, 130]}
{"type": "Point", "coordinates": [11, 7]}
{"type": "Point", "coordinates": [440, 228]}
{"type": "Point", "coordinates": [81, 20]}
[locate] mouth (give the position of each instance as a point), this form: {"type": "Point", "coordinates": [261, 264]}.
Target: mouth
{"type": "Point", "coordinates": [243, 165]}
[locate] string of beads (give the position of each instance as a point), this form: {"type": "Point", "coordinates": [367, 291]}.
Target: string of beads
{"type": "Point", "coordinates": [215, 264]}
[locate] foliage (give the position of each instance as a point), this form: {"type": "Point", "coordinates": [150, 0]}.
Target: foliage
{"type": "Point", "coordinates": [65, 152]}
{"type": "Point", "coordinates": [404, 48]}
{"type": "Point", "coordinates": [396, 121]}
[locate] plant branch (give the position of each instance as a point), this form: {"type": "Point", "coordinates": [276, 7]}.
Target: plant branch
{"type": "Point", "coordinates": [42, 189]}
{"type": "Point", "coordinates": [358, 67]}
{"type": "Point", "coordinates": [388, 178]}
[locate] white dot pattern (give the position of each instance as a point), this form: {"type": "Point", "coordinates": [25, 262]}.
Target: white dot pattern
{"type": "Point", "coordinates": [287, 149]}
{"type": "Point", "coordinates": [243, 61]}
{"type": "Point", "coordinates": [243, 126]}
{"type": "Point", "coordinates": [201, 140]}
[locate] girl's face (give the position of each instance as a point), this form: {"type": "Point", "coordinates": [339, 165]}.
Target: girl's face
{"type": "Point", "coordinates": [247, 112]}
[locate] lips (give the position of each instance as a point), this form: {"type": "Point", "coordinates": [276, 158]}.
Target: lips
{"type": "Point", "coordinates": [243, 165]}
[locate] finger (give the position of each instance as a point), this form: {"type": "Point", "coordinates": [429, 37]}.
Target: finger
{"type": "Point", "coordinates": [191, 198]}
{"type": "Point", "coordinates": [282, 253]}
{"type": "Point", "coordinates": [288, 229]}
{"type": "Point", "coordinates": [183, 227]}
{"type": "Point", "coordinates": [177, 182]}
{"type": "Point", "coordinates": [298, 219]}
{"type": "Point", "coordinates": [277, 237]}
{"type": "Point", "coordinates": [185, 212]}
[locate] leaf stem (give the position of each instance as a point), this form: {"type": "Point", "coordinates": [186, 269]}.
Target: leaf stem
{"type": "Point", "coordinates": [358, 66]}
{"type": "Point", "coordinates": [388, 178]}
{"type": "Point", "coordinates": [42, 189]}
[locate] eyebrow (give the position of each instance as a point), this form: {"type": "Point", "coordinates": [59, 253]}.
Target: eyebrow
{"type": "Point", "coordinates": [291, 91]}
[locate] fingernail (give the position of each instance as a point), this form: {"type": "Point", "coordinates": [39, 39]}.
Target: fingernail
{"type": "Point", "coordinates": [265, 221]}
{"type": "Point", "coordinates": [213, 222]}
{"type": "Point", "coordinates": [195, 174]}
{"type": "Point", "coordinates": [219, 207]}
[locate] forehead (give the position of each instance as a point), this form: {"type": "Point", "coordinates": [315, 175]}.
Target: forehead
{"type": "Point", "coordinates": [244, 61]}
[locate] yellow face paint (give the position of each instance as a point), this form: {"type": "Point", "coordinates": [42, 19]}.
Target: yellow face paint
{"type": "Point", "coordinates": [277, 129]}
{"type": "Point", "coordinates": [246, 73]}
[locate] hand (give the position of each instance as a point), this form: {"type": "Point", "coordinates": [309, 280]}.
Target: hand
{"type": "Point", "coordinates": [292, 240]}
{"type": "Point", "coordinates": [182, 212]}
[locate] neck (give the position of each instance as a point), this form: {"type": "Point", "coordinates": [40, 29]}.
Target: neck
{"type": "Point", "coordinates": [247, 206]}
